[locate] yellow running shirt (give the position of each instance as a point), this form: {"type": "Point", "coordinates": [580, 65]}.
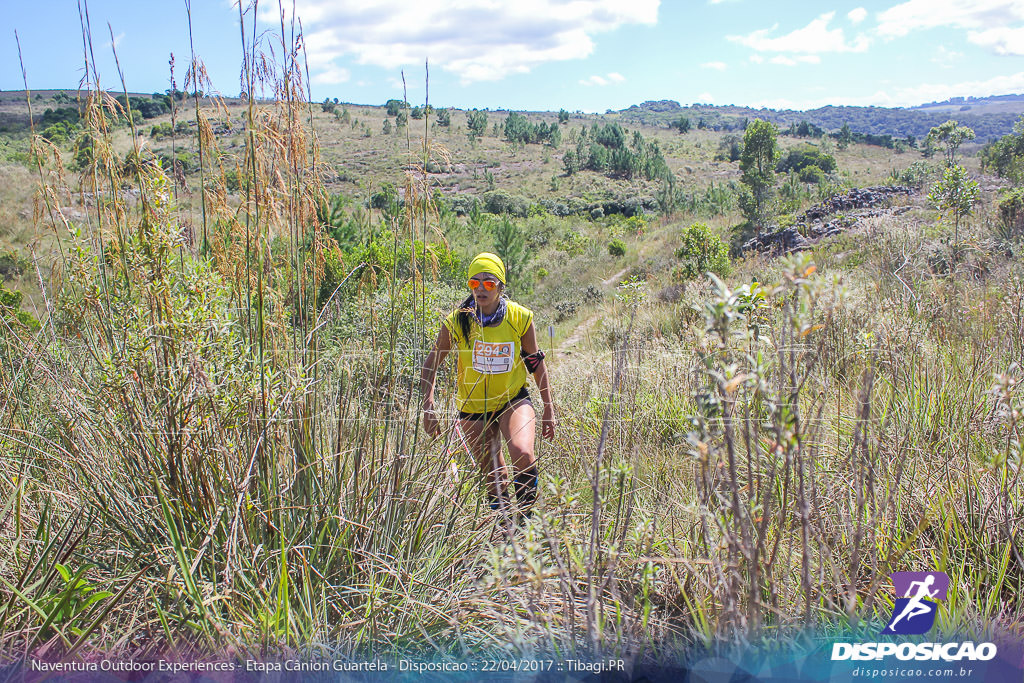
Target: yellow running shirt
{"type": "Point", "coordinates": [490, 368]}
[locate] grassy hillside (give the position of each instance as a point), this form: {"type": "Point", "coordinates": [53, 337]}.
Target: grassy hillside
{"type": "Point", "coordinates": [211, 442]}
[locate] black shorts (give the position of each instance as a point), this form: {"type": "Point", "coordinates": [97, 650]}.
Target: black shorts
{"type": "Point", "coordinates": [497, 413]}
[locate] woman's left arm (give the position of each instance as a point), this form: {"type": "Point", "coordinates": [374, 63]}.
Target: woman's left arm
{"type": "Point", "coordinates": [540, 375]}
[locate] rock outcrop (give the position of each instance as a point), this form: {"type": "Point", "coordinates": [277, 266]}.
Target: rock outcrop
{"type": "Point", "coordinates": [815, 223]}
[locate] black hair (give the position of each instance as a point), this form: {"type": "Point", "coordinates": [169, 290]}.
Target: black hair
{"type": "Point", "coordinates": [462, 315]}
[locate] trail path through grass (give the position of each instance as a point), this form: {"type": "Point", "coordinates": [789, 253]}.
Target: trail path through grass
{"type": "Point", "coordinates": [583, 329]}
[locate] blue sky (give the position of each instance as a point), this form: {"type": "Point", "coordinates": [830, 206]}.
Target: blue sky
{"type": "Point", "coordinates": [588, 55]}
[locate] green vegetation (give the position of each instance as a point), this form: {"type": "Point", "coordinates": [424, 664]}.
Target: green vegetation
{"type": "Point", "coordinates": [208, 426]}
{"type": "Point", "coordinates": [955, 195]}
{"type": "Point", "coordinates": [809, 130]}
{"type": "Point", "coordinates": [607, 152]}
{"type": "Point", "coordinates": [12, 317]}
{"type": "Point", "coordinates": [12, 265]}
{"type": "Point", "coordinates": [701, 251]}
{"type": "Point", "coordinates": [476, 123]}
{"type": "Point", "coordinates": [519, 130]}
{"type": "Point", "coordinates": [1006, 155]}
{"type": "Point", "coordinates": [915, 175]}
{"type": "Point", "coordinates": [682, 124]}
{"type": "Point", "coordinates": [800, 158]}
{"type": "Point", "coordinates": [510, 245]}
{"type": "Point", "coordinates": [845, 136]}
{"type": "Point", "coordinates": [149, 108]}
{"type": "Point", "coordinates": [950, 135]}
{"type": "Point", "coordinates": [757, 162]}
{"type": "Point", "coordinates": [1011, 214]}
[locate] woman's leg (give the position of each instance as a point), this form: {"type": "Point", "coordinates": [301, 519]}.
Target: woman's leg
{"type": "Point", "coordinates": [484, 440]}
{"type": "Point", "coordinates": [519, 427]}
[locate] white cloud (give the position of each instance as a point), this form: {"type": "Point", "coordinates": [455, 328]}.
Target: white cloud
{"type": "Point", "coordinates": [857, 15]}
{"type": "Point", "coordinates": [785, 60]}
{"type": "Point", "coordinates": [938, 92]}
{"type": "Point", "coordinates": [115, 42]}
{"type": "Point", "coordinates": [479, 40]}
{"type": "Point", "coordinates": [994, 24]}
{"type": "Point", "coordinates": [717, 66]}
{"type": "Point", "coordinates": [813, 38]}
{"type": "Point", "coordinates": [980, 17]}
{"type": "Point", "coordinates": [757, 59]}
{"type": "Point", "coordinates": [607, 79]}
{"type": "Point", "coordinates": [705, 98]}
{"type": "Point", "coordinates": [1003, 40]}
{"type": "Point", "coordinates": [909, 96]}
{"type": "Point", "coordinates": [332, 75]}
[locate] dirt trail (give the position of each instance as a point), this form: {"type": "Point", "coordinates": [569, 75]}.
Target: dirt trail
{"type": "Point", "coordinates": [615, 278]}
{"type": "Point", "coordinates": [583, 329]}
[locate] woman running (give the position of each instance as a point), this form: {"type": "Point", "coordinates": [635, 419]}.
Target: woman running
{"type": "Point", "coordinates": [497, 347]}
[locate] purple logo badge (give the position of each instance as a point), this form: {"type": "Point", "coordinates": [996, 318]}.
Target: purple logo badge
{"type": "Point", "coordinates": [915, 608]}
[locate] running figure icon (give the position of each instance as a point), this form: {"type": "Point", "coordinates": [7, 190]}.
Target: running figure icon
{"type": "Point", "coordinates": [915, 603]}
{"type": "Point", "coordinates": [915, 609]}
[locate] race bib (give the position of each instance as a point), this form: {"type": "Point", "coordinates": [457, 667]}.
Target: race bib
{"type": "Point", "coordinates": [493, 358]}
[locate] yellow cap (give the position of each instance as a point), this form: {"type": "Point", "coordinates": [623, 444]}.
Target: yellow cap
{"type": "Point", "coordinates": [488, 263]}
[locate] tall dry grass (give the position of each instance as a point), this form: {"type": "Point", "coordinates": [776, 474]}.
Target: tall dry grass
{"type": "Point", "coordinates": [193, 461]}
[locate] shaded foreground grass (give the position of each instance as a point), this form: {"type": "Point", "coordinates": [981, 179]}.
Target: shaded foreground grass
{"type": "Point", "coordinates": [190, 458]}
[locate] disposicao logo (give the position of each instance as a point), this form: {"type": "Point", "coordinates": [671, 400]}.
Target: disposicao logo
{"type": "Point", "coordinates": [914, 614]}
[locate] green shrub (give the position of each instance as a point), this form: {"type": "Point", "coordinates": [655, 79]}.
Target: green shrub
{"type": "Point", "coordinates": [235, 181]}
{"type": "Point", "coordinates": [59, 133]}
{"type": "Point", "coordinates": [161, 130]}
{"type": "Point", "coordinates": [1011, 214]}
{"type": "Point", "coordinates": [476, 123]}
{"type": "Point", "coordinates": [437, 262]}
{"type": "Point", "coordinates": [84, 154]}
{"type": "Point", "coordinates": [502, 202]}
{"type": "Point", "coordinates": [805, 156]}
{"type": "Point", "coordinates": [395, 106]}
{"type": "Point", "coordinates": [12, 265]}
{"type": "Point", "coordinates": [334, 275]}
{"type": "Point", "coordinates": [701, 251]}
{"type": "Point", "coordinates": [617, 247]}
{"type": "Point", "coordinates": [812, 174]}
{"type": "Point", "coordinates": [918, 174]}
{"type": "Point", "coordinates": [510, 245]}
{"type": "Point", "coordinates": [10, 311]}
{"type": "Point", "coordinates": [573, 243]}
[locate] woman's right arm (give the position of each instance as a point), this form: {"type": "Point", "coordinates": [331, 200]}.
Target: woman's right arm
{"type": "Point", "coordinates": [434, 359]}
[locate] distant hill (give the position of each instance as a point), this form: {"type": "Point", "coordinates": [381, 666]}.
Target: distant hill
{"type": "Point", "coordinates": [976, 105]}
{"type": "Point", "coordinates": [990, 117]}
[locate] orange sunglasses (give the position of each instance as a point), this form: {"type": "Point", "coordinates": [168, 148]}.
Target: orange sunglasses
{"type": "Point", "coordinates": [489, 285]}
